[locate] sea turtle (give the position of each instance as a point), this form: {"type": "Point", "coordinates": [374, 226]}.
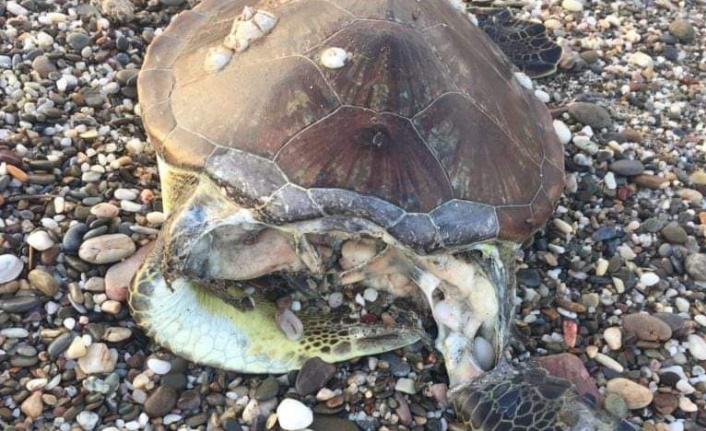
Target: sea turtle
{"type": "Point", "coordinates": [386, 143]}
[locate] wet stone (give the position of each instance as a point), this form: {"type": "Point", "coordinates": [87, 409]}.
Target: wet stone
{"type": "Point", "coordinates": [635, 395]}
{"type": "Point", "coordinates": [615, 404]}
{"type": "Point", "coordinates": [665, 403]}
{"type": "Point", "coordinates": [59, 344]}
{"type": "Point", "coordinates": [19, 304]}
{"type": "Point", "coordinates": [314, 374]}
{"type": "Point", "coordinates": [695, 265]}
{"type": "Point", "coordinates": [44, 282]}
{"type": "Point", "coordinates": [398, 367]}
{"type": "Point", "coordinates": [528, 277]}
{"type": "Point", "coordinates": [646, 327]}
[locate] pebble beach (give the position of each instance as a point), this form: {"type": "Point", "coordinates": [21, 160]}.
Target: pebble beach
{"type": "Point", "coordinates": [612, 289]}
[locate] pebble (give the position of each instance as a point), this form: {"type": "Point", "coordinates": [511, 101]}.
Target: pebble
{"type": "Point", "coordinates": [77, 349]}
{"type": "Point", "coordinates": [116, 334]}
{"type": "Point", "coordinates": [267, 390]}
{"type": "Point", "coordinates": [105, 210]}
{"type": "Point", "coordinates": [641, 59]}
{"type": "Point", "coordinates": [406, 386]}
{"type": "Point", "coordinates": [627, 167]}
{"type": "Point", "coordinates": [683, 30]}
{"type": "Point", "coordinates": [674, 233]}
{"type": "Point", "coordinates": [33, 405]}
{"type": "Point", "coordinates": [98, 359]}
{"type": "Point", "coordinates": [562, 131]}
{"type": "Point", "coordinates": [14, 332]}
{"type": "Point", "coordinates": [107, 248]}
{"type": "Point", "coordinates": [159, 366]}
{"type": "Point", "coordinates": [88, 420]}
{"type": "Point", "coordinates": [161, 401]}
{"type": "Point", "coordinates": [665, 403]}
{"type": "Point", "coordinates": [590, 114]}
{"type": "Point", "coordinates": [10, 268]}
{"type": "Point", "coordinates": [635, 395]}
{"type": "Point", "coordinates": [570, 367]}
{"type": "Point", "coordinates": [613, 337]}
{"type": "Point", "coordinates": [697, 347]}
{"type": "Point", "coordinates": [649, 279]}
{"type": "Point", "coordinates": [615, 404]}
{"type": "Point", "coordinates": [572, 5]}
{"type": "Point", "coordinates": [314, 375]}
{"type": "Point", "coordinates": [609, 362]}
{"type": "Point", "coordinates": [695, 265]}
{"type": "Point", "coordinates": [647, 327]}
{"type": "Point", "coordinates": [687, 406]}
{"type": "Point", "coordinates": [40, 240]}
{"type": "Point", "coordinates": [293, 415]}
{"type": "Point", "coordinates": [44, 282]}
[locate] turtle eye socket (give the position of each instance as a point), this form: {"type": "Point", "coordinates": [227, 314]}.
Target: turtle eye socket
{"type": "Point", "coordinates": [374, 136]}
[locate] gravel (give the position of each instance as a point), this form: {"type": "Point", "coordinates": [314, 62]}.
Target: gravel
{"type": "Point", "coordinates": [613, 287]}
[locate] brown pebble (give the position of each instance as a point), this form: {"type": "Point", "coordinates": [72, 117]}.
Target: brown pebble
{"type": "Point", "coordinates": [665, 404]}
{"type": "Point", "coordinates": [17, 173]}
{"type": "Point", "coordinates": [646, 327]}
{"type": "Point", "coordinates": [650, 181]}
{"type": "Point", "coordinates": [161, 401]}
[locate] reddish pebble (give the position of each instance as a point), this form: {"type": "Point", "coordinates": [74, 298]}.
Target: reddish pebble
{"type": "Point", "coordinates": [570, 333]}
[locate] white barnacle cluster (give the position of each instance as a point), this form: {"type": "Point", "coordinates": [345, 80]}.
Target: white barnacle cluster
{"type": "Point", "coordinates": [334, 58]}
{"type": "Point", "coordinates": [247, 27]}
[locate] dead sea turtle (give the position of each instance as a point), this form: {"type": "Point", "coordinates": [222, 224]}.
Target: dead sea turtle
{"type": "Point", "coordinates": [385, 143]}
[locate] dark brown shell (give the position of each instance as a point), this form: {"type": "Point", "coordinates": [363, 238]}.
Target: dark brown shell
{"type": "Point", "coordinates": [424, 131]}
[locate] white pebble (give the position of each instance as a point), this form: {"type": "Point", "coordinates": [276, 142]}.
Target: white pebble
{"type": "Point", "coordinates": [370, 294]}
{"type": "Point", "coordinates": [293, 415]}
{"type": "Point", "coordinates": [562, 131]}
{"type": "Point", "coordinates": [406, 386]}
{"type": "Point", "coordinates": [572, 5]}
{"type": "Point", "coordinates": [88, 420]}
{"type": "Point", "coordinates": [697, 347]}
{"type": "Point", "coordinates": [608, 362]}
{"type": "Point", "coordinates": [14, 333]}
{"type": "Point", "coordinates": [641, 59]}
{"type": "Point", "coordinates": [524, 80]}
{"type": "Point", "coordinates": [542, 95]}
{"type": "Point", "coordinates": [613, 337]}
{"type": "Point", "coordinates": [217, 58]}
{"type": "Point", "coordinates": [159, 366]}
{"type": "Point", "coordinates": [649, 279]}
{"type": "Point", "coordinates": [40, 240]}
{"type": "Point", "coordinates": [10, 267]}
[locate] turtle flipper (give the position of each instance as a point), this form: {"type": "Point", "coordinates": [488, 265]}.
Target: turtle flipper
{"type": "Point", "coordinates": [217, 324]}
{"type": "Point", "coordinates": [525, 43]}
{"type": "Point", "coordinates": [507, 399]}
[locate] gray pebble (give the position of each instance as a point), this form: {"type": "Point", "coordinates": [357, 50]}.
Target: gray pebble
{"type": "Point", "coordinates": [590, 114]}
{"type": "Point", "coordinates": [627, 168]}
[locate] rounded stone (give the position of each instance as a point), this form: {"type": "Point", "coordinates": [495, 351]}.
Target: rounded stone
{"type": "Point", "coordinates": [40, 240]}
{"type": "Point", "coordinates": [107, 248]}
{"type": "Point", "coordinates": [105, 210]}
{"type": "Point", "coordinates": [627, 168]}
{"type": "Point", "coordinates": [44, 282]}
{"type": "Point", "coordinates": [695, 265]}
{"type": "Point", "coordinates": [635, 395]}
{"type": "Point", "coordinates": [314, 374]}
{"type": "Point", "coordinates": [293, 415]}
{"type": "Point", "coordinates": [590, 114]}
{"type": "Point", "coordinates": [646, 327]}
{"type": "Point", "coordinates": [161, 401]}
{"type": "Point", "coordinates": [615, 404]}
{"type": "Point", "coordinates": [10, 268]}
{"type": "Point", "coordinates": [682, 30]}
{"type": "Point", "coordinates": [674, 233]}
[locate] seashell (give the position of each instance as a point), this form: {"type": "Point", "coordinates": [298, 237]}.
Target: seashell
{"type": "Point", "coordinates": [265, 20]}
{"type": "Point", "coordinates": [10, 267]}
{"type": "Point", "coordinates": [334, 58]}
{"type": "Point", "coordinates": [217, 58]}
{"type": "Point", "coordinates": [290, 324]}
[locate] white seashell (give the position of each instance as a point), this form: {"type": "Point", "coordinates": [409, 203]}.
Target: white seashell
{"type": "Point", "coordinates": [524, 80]}
{"type": "Point", "coordinates": [265, 20]}
{"type": "Point", "coordinates": [334, 58]}
{"type": "Point", "coordinates": [290, 324]}
{"type": "Point", "coordinates": [10, 267]}
{"type": "Point", "coordinates": [247, 13]}
{"type": "Point", "coordinates": [217, 58]}
{"type": "Point", "coordinates": [248, 30]}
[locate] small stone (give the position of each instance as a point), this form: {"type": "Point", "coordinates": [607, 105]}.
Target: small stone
{"type": "Point", "coordinates": [406, 386]}
{"type": "Point", "coordinates": [88, 420]}
{"type": "Point", "coordinates": [641, 59]}
{"type": "Point", "coordinates": [332, 423]}
{"type": "Point", "coordinates": [613, 337]}
{"type": "Point", "coordinates": [572, 5]}
{"type": "Point", "coordinates": [649, 279]}
{"type": "Point", "coordinates": [314, 375]}
{"type": "Point", "coordinates": [665, 403]}
{"type": "Point", "coordinates": [562, 131]}
{"type": "Point", "coordinates": [161, 401]}
{"type": "Point", "coordinates": [111, 306]}
{"type": "Point", "coordinates": [674, 233]}
{"type": "Point", "coordinates": [43, 66]}
{"type": "Point", "coordinates": [14, 332]}
{"type": "Point", "coordinates": [682, 30]}
{"type": "Point", "coordinates": [370, 294]}
{"type": "Point", "coordinates": [10, 268]}
{"type": "Point", "coordinates": [608, 362]}
{"type": "Point", "coordinates": [44, 282]}
{"type": "Point", "coordinates": [159, 366]}
{"type": "Point", "coordinates": [687, 406]}
{"type": "Point", "coordinates": [105, 210]}
{"type": "Point", "coordinates": [107, 248]}
{"type": "Point", "coordinates": [695, 265]}
{"type": "Point", "coordinates": [627, 167]}
{"type": "Point", "coordinates": [697, 347]}
{"type": "Point", "coordinates": [635, 395]}
{"type": "Point", "coordinates": [77, 349]}
{"type": "Point", "coordinates": [98, 359]}
{"type": "Point", "coordinates": [268, 389]}
{"type": "Point", "coordinates": [40, 240]}
{"type": "Point", "coordinates": [119, 276]}
{"type": "Point", "coordinates": [691, 195]}
{"type": "Point", "coordinates": [33, 406]}
{"type": "Point", "coordinates": [590, 114]}
{"type": "Point", "coordinates": [78, 41]}
{"type": "Point", "coordinates": [646, 327]}
{"type": "Point", "coordinates": [293, 415]}
{"type": "Point", "coordinates": [116, 334]}
{"type": "Point", "coordinates": [615, 404]}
